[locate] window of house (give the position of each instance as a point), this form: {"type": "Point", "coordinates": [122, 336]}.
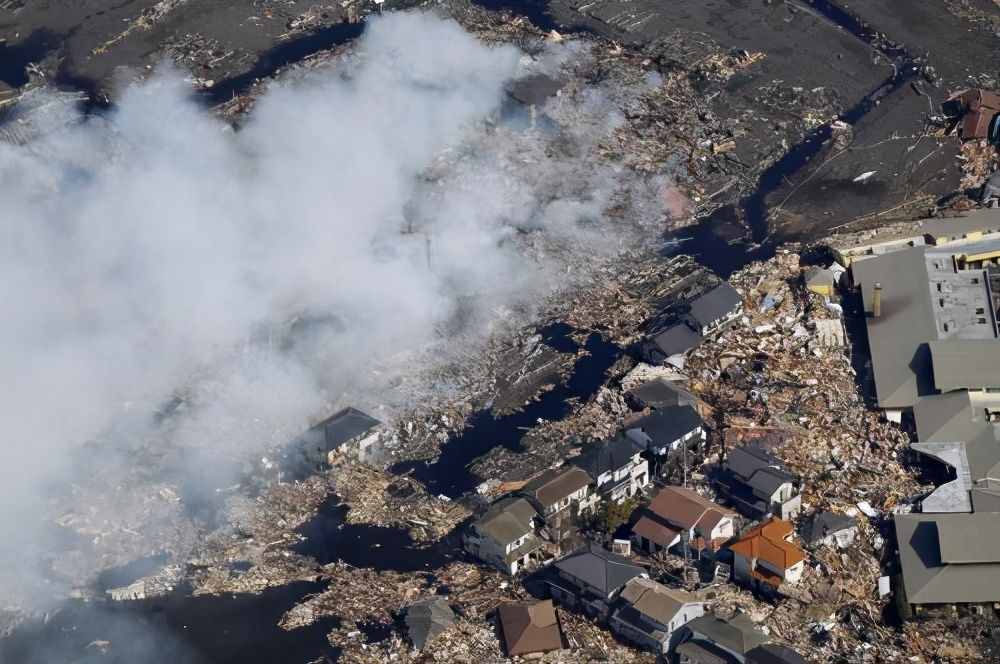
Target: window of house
{"type": "Point", "coordinates": [975, 280]}
{"type": "Point", "coordinates": [982, 321]}
{"type": "Point", "coordinates": [980, 311]}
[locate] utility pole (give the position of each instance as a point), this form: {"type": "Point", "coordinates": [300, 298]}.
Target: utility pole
{"type": "Point", "coordinates": [684, 461]}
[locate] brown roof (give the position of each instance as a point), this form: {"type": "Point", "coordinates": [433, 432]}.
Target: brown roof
{"type": "Point", "coordinates": [655, 600]}
{"type": "Point", "coordinates": [529, 628]}
{"type": "Point", "coordinates": [553, 485]}
{"type": "Point", "coordinates": [656, 532]}
{"type": "Point", "coordinates": [687, 509]}
{"type": "Point", "coordinates": [768, 542]}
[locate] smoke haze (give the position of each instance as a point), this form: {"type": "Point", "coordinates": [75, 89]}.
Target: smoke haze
{"type": "Point", "coordinates": [262, 273]}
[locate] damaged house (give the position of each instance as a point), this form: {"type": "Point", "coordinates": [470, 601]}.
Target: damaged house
{"type": "Point", "coordinates": [504, 537]}
{"type": "Point", "coordinates": [350, 432]}
{"type": "Point", "coordinates": [529, 629]}
{"type": "Point", "coordinates": [618, 470]}
{"type": "Point", "coordinates": [764, 557]}
{"type": "Point", "coordinates": [649, 614]}
{"type": "Point", "coordinates": [559, 495]}
{"type": "Point", "coordinates": [660, 394]}
{"type": "Point", "coordinates": [677, 516]}
{"type": "Point", "coordinates": [715, 309]}
{"type": "Point", "coordinates": [667, 430]}
{"type": "Point", "coordinates": [708, 313]}
{"type": "Point", "coordinates": [590, 579]}
{"type": "Point", "coordinates": [671, 346]}
{"type": "Point", "coordinates": [426, 619]}
{"type": "Point", "coordinates": [713, 640]}
{"type": "Point", "coordinates": [758, 484]}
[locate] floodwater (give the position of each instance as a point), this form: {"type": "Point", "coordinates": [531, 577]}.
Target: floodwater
{"type": "Point", "coordinates": [13, 59]}
{"type": "Point", "coordinates": [179, 629]}
{"type": "Point", "coordinates": [329, 539]}
{"type": "Point", "coordinates": [283, 55]}
{"type": "Point", "coordinates": [449, 475]}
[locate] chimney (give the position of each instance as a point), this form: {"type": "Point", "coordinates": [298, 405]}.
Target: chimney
{"type": "Point", "coordinates": [877, 300]}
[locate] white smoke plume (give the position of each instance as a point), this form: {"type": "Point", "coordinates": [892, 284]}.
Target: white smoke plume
{"type": "Point", "coordinates": [143, 251]}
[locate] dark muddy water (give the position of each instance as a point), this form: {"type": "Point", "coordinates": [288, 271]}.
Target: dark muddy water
{"type": "Point", "coordinates": [449, 474]}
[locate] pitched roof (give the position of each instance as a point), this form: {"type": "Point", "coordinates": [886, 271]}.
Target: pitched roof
{"type": "Point", "coordinates": [599, 568]}
{"type": "Point", "coordinates": [529, 628]}
{"type": "Point", "coordinates": [950, 558]}
{"type": "Point", "coordinates": [774, 653]}
{"type": "Point", "coordinates": [507, 519]}
{"type": "Point", "coordinates": [666, 425]}
{"type": "Point", "coordinates": [606, 456]}
{"type": "Point", "coordinates": [676, 339]}
{"type": "Point", "coordinates": [965, 363]}
{"type": "Point", "coordinates": [655, 600]}
{"type": "Point", "coordinates": [687, 509]}
{"type": "Point", "coordinates": [767, 542]}
{"type": "Point", "coordinates": [426, 619]}
{"type": "Point", "coordinates": [823, 524]}
{"type": "Point", "coordinates": [758, 468]}
{"type": "Point", "coordinates": [555, 484]}
{"type": "Point", "coordinates": [715, 304]}
{"type": "Point", "coordinates": [661, 393]}
{"type": "Point", "coordinates": [699, 652]}
{"type": "Point", "coordinates": [738, 634]}
{"type": "Point", "coordinates": [340, 428]}
{"type": "Point", "coordinates": [655, 531]}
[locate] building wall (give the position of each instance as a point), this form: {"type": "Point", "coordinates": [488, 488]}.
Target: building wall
{"type": "Point", "coordinates": [488, 551]}
{"type": "Point", "coordinates": [638, 637]}
{"type": "Point", "coordinates": [741, 568]}
{"type": "Point", "coordinates": [790, 508]}
{"type": "Point", "coordinates": [723, 530]}
{"type": "Point", "coordinates": [687, 613]}
{"type": "Point", "coordinates": [794, 573]}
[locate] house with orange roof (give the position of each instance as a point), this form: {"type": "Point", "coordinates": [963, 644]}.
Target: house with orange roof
{"type": "Point", "coordinates": [677, 514]}
{"type": "Point", "coordinates": [765, 554]}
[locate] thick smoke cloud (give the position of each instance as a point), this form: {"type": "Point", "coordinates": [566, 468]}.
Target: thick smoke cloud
{"type": "Point", "coordinates": [261, 274]}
